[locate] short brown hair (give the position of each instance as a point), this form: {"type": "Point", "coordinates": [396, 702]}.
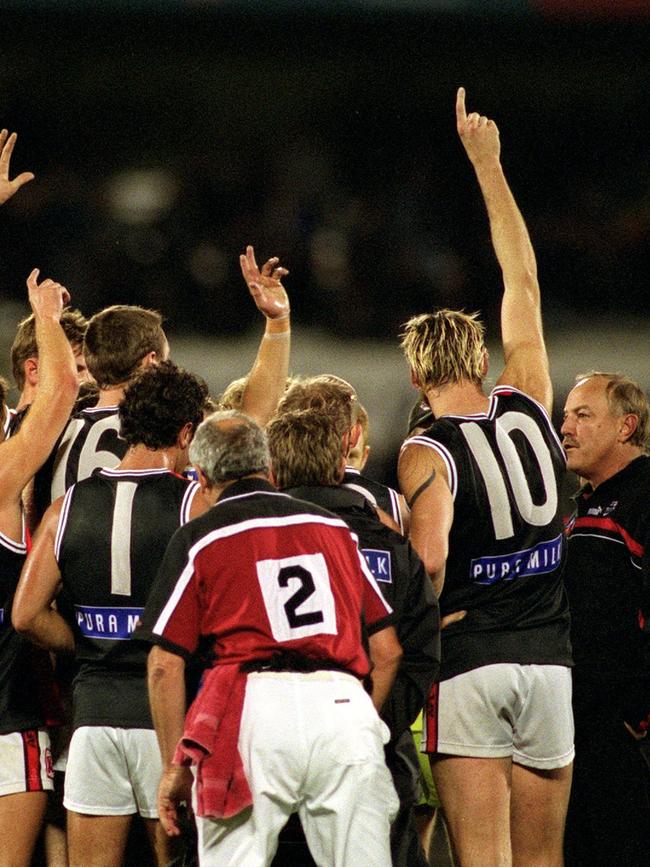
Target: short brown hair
{"type": "Point", "coordinates": [625, 397]}
{"type": "Point", "coordinates": [117, 340]}
{"type": "Point", "coordinates": [444, 347]}
{"type": "Point", "coordinates": [327, 393]}
{"type": "Point", "coordinates": [74, 325]}
{"type": "Point", "coordinates": [306, 448]}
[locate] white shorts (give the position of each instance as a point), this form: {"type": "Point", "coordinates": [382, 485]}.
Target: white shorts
{"type": "Point", "coordinates": [25, 762]}
{"type": "Point", "coordinates": [495, 711]}
{"type": "Point", "coordinates": [113, 772]}
{"type": "Point", "coordinates": [312, 744]}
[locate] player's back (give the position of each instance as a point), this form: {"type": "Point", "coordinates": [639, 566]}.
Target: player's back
{"type": "Point", "coordinates": [91, 440]}
{"type": "Point", "coordinates": [506, 544]}
{"type": "Point", "coordinates": [377, 494]}
{"type": "Point", "coordinates": [112, 535]}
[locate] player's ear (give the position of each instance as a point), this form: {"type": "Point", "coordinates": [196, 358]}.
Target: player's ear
{"type": "Point", "coordinates": [186, 435]}
{"type": "Point", "coordinates": [353, 437]}
{"type": "Point", "coordinates": [31, 371]}
{"type": "Point", "coordinates": [627, 427]}
{"type": "Point", "coordinates": [415, 382]}
{"type": "Point", "coordinates": [485, 363]}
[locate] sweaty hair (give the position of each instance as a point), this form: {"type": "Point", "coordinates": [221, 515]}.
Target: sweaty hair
{"type": "Point", "coordinates": [229, 445]}
{"type": "Point", "coordinates": [117, 340]}
{"type": "Point", "coordinates": [625, 397]}
{"type": "Point", "coordinates": [159, 403]}
{"type": "Point", "coordinates": [232, 396]}
{"type": "Point", "coordinates": [444, 347]}
{"type": "Point", "coordinates": [327, 393]}
{"type": "Point", "coordinates": [74, 325]}
{"type": "Point", "coordinates": [306, 448]}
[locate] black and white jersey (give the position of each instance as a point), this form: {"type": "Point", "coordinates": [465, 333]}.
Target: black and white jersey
{"type": "Point", "coordinates": [90, 441]}
{"type": "Point", "coordinates": [377, 494]}
{"type": "Point", "coordinates": [506, 544]}
{"type": "Point", "coordinates": [20, 689]}
{"type": "Point", "coordinates": [111, 538]}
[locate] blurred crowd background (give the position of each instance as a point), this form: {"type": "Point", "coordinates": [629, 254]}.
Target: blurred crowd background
{"type": "Point", "coordinates": [166, 135]}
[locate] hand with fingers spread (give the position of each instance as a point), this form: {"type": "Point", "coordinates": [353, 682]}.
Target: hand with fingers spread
{"type": "Point", "coordinates": [7, 187]}
{"type": "Point", "coordinates": [266, 285]}
{"type": "Point", "coordinates": [47, 298]}
{"type": "Point", "coordinates": [479, 135]}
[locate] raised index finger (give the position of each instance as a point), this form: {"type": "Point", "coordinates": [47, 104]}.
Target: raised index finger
{"type": "Point", "coordinates": [461, 113]}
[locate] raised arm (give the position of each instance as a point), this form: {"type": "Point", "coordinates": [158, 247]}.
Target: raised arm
{"type": "Point", "coordinates": [268, 376]}
{"type": "Point", "coordinates": [9, 188]}
{"type": "Point", "coordinates": [23, 454]}
{"type": "Point", "coordinates": [526, 361]}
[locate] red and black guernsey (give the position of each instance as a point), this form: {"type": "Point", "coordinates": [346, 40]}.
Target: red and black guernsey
{"type": "Point", "coordinates": [111, 539]}
{"type": "Point", "coordinates": [506, 544]}
{"type": "Point", "coordinates": [608, 576]}
{"type": "Point", "coordinates": [262, 572]}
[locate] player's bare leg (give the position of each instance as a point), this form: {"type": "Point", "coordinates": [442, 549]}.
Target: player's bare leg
{"type": "Point", "coordinates": [97, 841]}
{"type": "Point", "coordinates": [161, 844]}
{"type": "Point", "coordinates": [475, 795]}
{"type": "Point", "coordinates": [21, 816]}
{"type": "Point", "coordinates": [538, 810]}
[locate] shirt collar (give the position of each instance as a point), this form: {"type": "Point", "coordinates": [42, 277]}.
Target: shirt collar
{"type": "Point", "coordinates": [251, 485]}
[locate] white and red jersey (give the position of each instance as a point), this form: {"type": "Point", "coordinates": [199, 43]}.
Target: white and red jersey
{"type": "Point", "coordinates": [262, 572]}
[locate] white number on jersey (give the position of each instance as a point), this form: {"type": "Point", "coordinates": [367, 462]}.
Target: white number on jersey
{"type": "Point", "coordinates": [297, 596]}
{"type": "Point", "coordinates": [121, 539]}
{"type": "Point", "coordinates": [90, 458]}
{"type": "Point", "coordinates": [495, 484]}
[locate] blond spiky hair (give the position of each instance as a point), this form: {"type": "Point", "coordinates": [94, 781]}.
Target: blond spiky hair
{"type": "Point", "coordinates": [445, 346]}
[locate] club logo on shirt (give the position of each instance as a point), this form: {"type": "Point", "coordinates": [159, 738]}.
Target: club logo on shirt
{"type": "Point", "coordinates": [603, 511]}
{"type": "Point", "coordinates": [115, 624]}
{"type": "Point", "coordinates": [379, 564]}
{"type": "Point", "coordinates": [538, 560]}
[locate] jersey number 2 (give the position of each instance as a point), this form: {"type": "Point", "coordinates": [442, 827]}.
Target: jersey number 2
{"type": "Point", "coordinates": [297, 596]}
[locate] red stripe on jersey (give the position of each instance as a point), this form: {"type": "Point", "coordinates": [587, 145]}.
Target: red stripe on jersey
{"type": "Point", "coordinates": [32, 756]}
{"type": "Point", "coordinates": [431, 720]}
{"type": "Point", "coordinates": [610, 526]}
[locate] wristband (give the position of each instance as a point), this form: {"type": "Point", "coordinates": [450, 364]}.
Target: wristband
{"type": "Point", "coordinates": [276, 335]}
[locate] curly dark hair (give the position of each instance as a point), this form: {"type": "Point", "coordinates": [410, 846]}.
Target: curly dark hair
{"type": "Point", "coordinates": [159, 403]}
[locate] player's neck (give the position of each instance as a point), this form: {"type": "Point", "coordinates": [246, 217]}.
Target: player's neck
{"type": "Point", "coordinates": [142, 458]}
{"type": "Point", "coordinates": [110, 396]}
{"type": "Point", "coordinates": [457, 398]}
{"type": "Point", "coordinates": [26, 397]}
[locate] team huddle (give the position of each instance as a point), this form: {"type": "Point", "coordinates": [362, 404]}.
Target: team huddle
{"type": "Point", "coordinates": [246, 627]}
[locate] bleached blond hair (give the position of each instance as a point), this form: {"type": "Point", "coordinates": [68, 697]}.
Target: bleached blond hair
{"type": "Point", "coordinates": [444, 347]}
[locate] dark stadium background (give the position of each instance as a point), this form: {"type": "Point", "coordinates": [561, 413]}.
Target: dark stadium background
{"type": "Point", "coordinates": [165, 135]}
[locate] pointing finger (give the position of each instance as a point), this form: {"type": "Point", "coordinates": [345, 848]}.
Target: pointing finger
{"type": "Point", "coordinates": [461, 113]}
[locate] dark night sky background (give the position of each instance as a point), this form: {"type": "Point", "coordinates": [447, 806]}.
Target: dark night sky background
{"type": "Point", "coordinates": [164, 141]}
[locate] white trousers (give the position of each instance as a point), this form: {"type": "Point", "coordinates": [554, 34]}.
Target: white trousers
{"type": "Point", "coordinates": [311, 744]}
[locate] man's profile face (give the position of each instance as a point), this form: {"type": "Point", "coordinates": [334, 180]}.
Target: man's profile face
{"type": "Point", "coordinates": [83, 374]}
{"type": "Point", "coordinates": [589, 430]}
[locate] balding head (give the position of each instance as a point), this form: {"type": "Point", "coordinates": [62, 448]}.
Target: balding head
{"type": "Point", "coordinates": [229, 445]}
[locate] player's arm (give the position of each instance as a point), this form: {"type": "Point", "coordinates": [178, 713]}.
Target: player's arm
{"type": "Point", "coordinates": [9, 188]}
{"type": "Point", "coordinates": [268, 376]}
{"type": "Point", "coordinates": [385, 654]}
{"type": "Point", "coordinates": [423, 481]}
{"type": "Point", "coordinates": [526, 361]}
{"type": "Point", "coordinates": [166, 682]}
{"type": "Point", "coordinates": [32, 613]}
{"type": "Point", "coordinates": [23, 454]}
